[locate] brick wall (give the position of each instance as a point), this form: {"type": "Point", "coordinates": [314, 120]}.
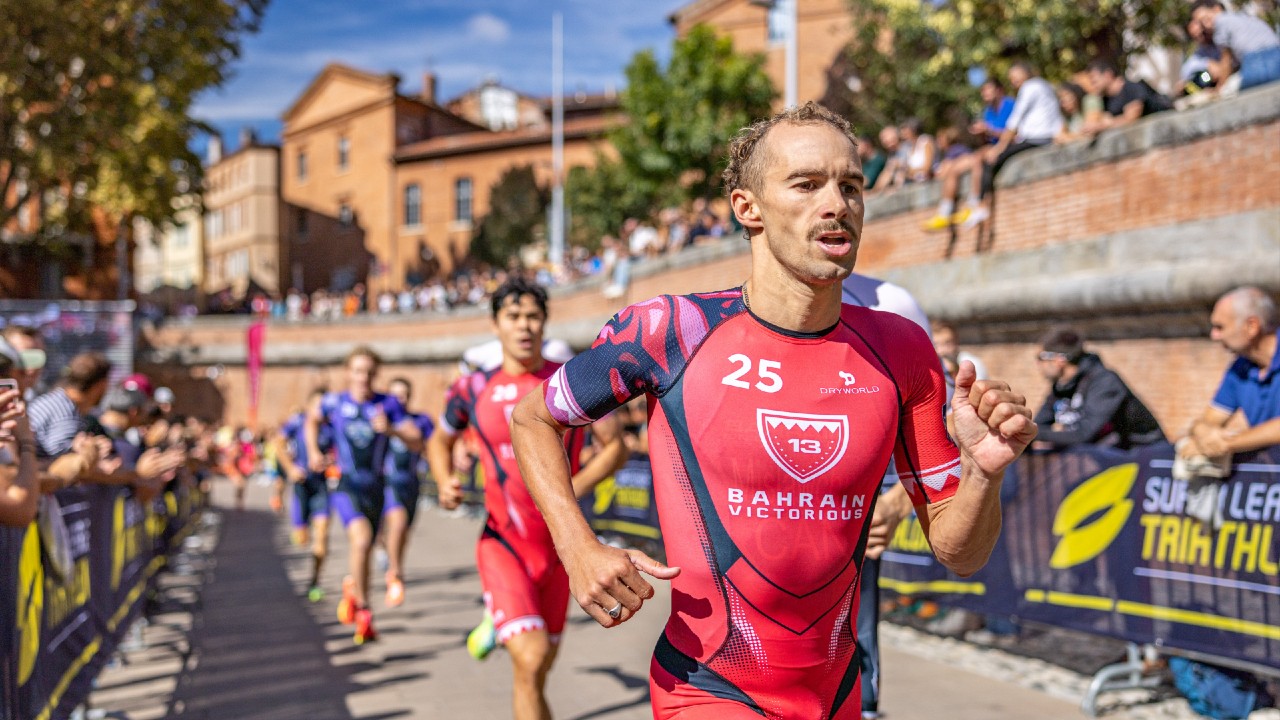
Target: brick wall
{"type": "Point", "coordinates": [1215, 176]}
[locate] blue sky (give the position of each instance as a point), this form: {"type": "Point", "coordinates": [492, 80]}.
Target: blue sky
{"type": "Point", "coordinates": [462, 42]}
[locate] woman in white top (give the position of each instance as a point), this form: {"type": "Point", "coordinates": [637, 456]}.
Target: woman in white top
{"type": "Point", "coordinates": [923, 149]}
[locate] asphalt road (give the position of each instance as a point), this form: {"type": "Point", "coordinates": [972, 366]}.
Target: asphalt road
{"type": "Point", "coordinates": [237, 640]}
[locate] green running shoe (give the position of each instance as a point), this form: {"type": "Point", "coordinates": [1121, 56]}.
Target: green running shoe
{"type": "Point", "coordinates": [483, 639]}
{"type": "Point", "coordinates": [315, 594]}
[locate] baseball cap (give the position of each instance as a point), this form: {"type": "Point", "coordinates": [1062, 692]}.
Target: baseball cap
{"type": "Point", "coordinates": [32, 359]}
{"type": "Point", "coordinates": [164, 396]}
{"type": "Point", "coordinates": [139, 382]}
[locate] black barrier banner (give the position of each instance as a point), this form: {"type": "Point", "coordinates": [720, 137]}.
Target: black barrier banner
{"type": "Point", "coordinates": [62, 628]}
{"type": "Point", "coordinates": [623, 504]}
{"type": "Point", "coordinates": [1097, 540]}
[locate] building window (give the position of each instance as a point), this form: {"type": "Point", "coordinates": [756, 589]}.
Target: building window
{"type": "Point", "coordinates": [301, 223]}
{"type": "Point", "coordinates": [238, 265]}
{"type": "Point", "coordinates": [779, 21]}
{"type": "Point", "coordinates": [302, 165]}
{"type": "Point", "coordinates": [344, 152]}
{"type": "Point", "coordinates": [462, 199]}
{"type": "Point", "coordinates": [213, 225]}
{"type": "Point", "coordinates": [346, 215]}
{"type": "Point", "coordinates": [181, 235]}
{"type": "Point", "coordinates": [412, 205]}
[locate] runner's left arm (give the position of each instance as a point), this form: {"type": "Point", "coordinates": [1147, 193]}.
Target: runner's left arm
{"type": "Point", "coordinates": [954, 484]}
{"type": "Point", "coordinates": [993, 426]}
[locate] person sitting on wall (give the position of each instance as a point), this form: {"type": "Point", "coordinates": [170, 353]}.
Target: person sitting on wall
{"type": "Point", "coordinates": [1088, 404]}
{"type": "Point", "coordinates": [1124, 100]}
{"type": "Point", "coordinates": [1242, 40]}
{"type": "Point", "coordinates": [1245, 322]}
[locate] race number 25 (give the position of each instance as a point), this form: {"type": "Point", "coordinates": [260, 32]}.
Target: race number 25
{"type": "Point", "coordinates": [769, 381]}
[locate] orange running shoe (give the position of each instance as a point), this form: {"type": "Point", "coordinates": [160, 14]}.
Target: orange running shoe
{"type": "Point", "coordinates": [395, 591]}
{"type": "Point", "coordinates": [347, 605]}
{"type": "Point", "coordinates": [364, 627]}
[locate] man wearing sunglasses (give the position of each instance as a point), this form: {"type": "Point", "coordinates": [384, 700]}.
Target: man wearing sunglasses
{"type": "Point", "coordinates": [1089, 404]}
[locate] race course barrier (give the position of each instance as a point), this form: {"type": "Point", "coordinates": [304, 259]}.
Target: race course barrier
{"type": "Point", "coordinates": [1096, 540]}
{"type": "Point", "coordinates": [56, 632]}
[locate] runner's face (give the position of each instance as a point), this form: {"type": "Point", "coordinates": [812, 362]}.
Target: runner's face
{"type": "Point", "coordinates": [811, 201]}
{"type": "Point", "coordinates": [519, 328]}
{"type": "Point", "coordinates": [399, 391]}
{"type": "Point", "coordinates": [360, 373]}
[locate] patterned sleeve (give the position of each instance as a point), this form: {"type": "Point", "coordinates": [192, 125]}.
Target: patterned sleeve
{"type": "Point", "coordinates": [458, 403]}
{"type": "Point", "coordinates": [642, 350]}
{"type": "Point", "coordinates": [927, 459]}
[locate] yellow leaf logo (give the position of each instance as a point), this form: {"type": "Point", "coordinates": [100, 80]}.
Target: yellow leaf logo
{"type": "Point", "coordinates": [30, 603]}
{"type": "Point", "coordinates": [1107, 491]}
{"type": "Point", "coordinates": [605, 493]}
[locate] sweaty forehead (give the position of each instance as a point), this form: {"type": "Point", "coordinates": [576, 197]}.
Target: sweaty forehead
{"type": "Point", "coordinates": [791, 147]}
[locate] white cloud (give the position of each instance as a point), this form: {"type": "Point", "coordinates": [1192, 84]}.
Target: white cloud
{"type": "Point", "coordinates": [487, 27]}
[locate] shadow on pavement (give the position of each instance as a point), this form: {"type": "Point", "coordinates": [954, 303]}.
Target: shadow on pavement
{"type": "Point", "coordinates": [256, 651]}
{"type": "Point", "coordinates": [628, 681]}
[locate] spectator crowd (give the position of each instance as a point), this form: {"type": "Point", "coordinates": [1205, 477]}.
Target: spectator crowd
{"type": "Point", "coordinates": [1234, 51]}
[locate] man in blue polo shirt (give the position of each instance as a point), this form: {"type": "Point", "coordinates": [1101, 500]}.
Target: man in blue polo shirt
{"type": "Point", "coordinates": [1245, 322]}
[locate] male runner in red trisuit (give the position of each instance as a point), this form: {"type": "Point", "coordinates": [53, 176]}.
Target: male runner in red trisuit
{"type": "Point", "coordinates": [526, 589]}
{"type": "Point", "coordinates": [777, 412]}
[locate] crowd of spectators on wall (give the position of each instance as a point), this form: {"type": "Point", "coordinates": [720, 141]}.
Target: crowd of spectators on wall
{"type": "Point", "coordinates": [674, 230]}
{"type": "Point", "coordinates": [1233, 51]}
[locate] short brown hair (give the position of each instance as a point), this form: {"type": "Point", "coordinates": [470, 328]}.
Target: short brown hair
{"type": "Point", "coordinates": [1064, 340]}
{"type": "Point", "coordinates": [24, 330]}
{"type": "Point", "coordinates": [86, 370]}
{"type": "Point", "coordinates": [745, 165]}
{"type": "Point", "coordinates": [362, 351]}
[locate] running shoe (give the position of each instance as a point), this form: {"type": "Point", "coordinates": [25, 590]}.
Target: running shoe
{"type": "Point", "coordinates": [347, 606]}
{"type": "Point", "coordinates": [976, 218]}
{"type": "Point", "coordinates": [483, 639]}
{"type": "Point", "coordinates": [315, 593]}
{"type": "Point", "coordinates": [364, 627]}
{"type": "Point", "coordinates": [936, 223]}
{"type": "Point", "coordinates": [395, 591]}
{"type": "Point", "coordinates": [277, 504]}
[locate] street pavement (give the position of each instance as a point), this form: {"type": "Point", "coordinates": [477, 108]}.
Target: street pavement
{"type": "Point", "coordinates": [234, 638]}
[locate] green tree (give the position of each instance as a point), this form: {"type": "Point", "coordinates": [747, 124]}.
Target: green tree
{"type": "Point", "coordinates": [912, 57]}
{"type": "Point", "coordinates": [95, 99]}
{"type": "Point", "coordinates": [517, 216]}
{"type": "Point", "coordinates": [679, 120]}
{"type": "Point", "coordinates": [600, 198]}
